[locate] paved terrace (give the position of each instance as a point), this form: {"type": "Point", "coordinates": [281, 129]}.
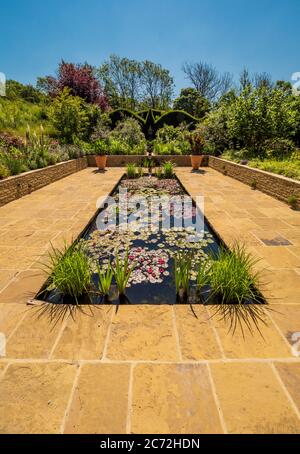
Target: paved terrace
{"type": "Point", "coordinates": [148, 369]}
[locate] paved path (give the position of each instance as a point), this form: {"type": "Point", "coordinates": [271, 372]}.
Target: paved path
{"type": "Point", "coordinates": [148, 369]}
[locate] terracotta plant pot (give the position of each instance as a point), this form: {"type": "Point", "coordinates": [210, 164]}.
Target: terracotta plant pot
{"type": "Point", "coordinates": [101, 162]}
{"type": "Point", "coordinates": [196, 161]}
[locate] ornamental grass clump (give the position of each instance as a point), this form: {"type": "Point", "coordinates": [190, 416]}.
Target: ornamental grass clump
{"type": "Point", "coordinates": [104, 279]}
{"type": "Point", "coordinates": [69, 272]}
{"type": "Point", "coordinates": [122, 271]}
{"type": "Point", "coordinates": [182, 272]}
{"type": "Point", "coordinates": [131, 171]}
{"type": "Point", "coordinates": [168, 170]}
{"type": "Point", "coordinates": [203, 275]}
{"type": "Point", "coordinates": [232, 277]}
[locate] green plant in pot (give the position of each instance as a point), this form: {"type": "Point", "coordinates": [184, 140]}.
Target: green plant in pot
{"type": "Point", "coordinates": [101, 149]}
{"type": "Point", "coordinates": [197, 142]}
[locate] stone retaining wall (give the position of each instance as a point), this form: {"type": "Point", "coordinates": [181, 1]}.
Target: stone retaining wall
{"type": "Point", "coordinates": [274, 185]}
{"type": "Point", "coordinates": [13, 188]}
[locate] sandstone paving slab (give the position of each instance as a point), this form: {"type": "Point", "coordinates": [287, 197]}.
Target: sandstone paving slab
{"type": "Point", "coordinates": [84, 334]}
{"type": "Point", "coordinates": [20, 258]}
{"type": "Point", "coordinates": [197, 339]}
{"type": "Point", "coordinates": [5, 277]}
{"type": "Point", "coordinates": [3, 366]}
{"type": "Point", "coordinates": [281, 286]}
{"type": "Point", "coordinates": [35, 335]}
{"type": "Point", "coordinates": [13, 237]}
{"type": "Point", "coordinates": [100, 402]}
{"type": "Point", "coordinates": [270, 237]}
{"type": "Point", "coordinates": [10, 316]}
{"type": "Point", "coordinates": [278, 256]}
{"type": "Point", "coordinates": [34, 397]}
{"type": "Point", "coordinates": [270, 223]}
{"type": "Point", "coordinates": [173, 399]}
{"type": "Point", "coordinates": [290, 375]}
{"type": "Point", "coordinates": [143, 333]}
{"type": "Point", "coordinates": [244, 224]}
{"type": "Point", "coordinates": [252, 399]}
{"type": "Point", "coordinates": [293, 220]}
{"type": "Point", "coordinates": [23, 287]}
{"type": "Point", "coordinates": [42, 238]}
{"type": "Point", "coordinates": [247, 334]}
{"type": "Point", "coordinates": [295, 249]}
{"type": "Point", "coordinates": [287, 318]}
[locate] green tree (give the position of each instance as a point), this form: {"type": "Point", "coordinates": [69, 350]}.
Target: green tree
{"type": "Point", "coordinates": [192, 102]}
{"type": "Point", "coordinates": [215, 130]}
{"type": "Point", "coordinates": [132, 84]}
{"type": "Point", "coordinates": [157, 86]}
{"type": "Point", "coordinates": [121, 81]}
{"type": "Point", "coordinates": [16, 90]}
{"type": "Point", "coordinates": [261, 114]}
{"type": "Point", "coordinates": [69, 115]}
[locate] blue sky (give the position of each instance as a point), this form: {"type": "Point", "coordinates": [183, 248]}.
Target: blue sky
{"type": "Point", "coordinates": [230, 34]}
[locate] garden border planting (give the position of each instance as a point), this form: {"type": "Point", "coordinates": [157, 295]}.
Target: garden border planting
{"type": "Point", "coordinates": [277, 186]}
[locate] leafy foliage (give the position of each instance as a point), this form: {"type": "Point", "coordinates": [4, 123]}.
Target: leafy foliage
{"type": "Point", "coordinates": [172, 141]}
{"type": "Point", "coordinates": [192, 102]}
{"type": "Point", "coordinates": [17, 114]}
{"type": "Point", "coordinates": [79, 79]}
{"type": "Point", "coordinates": [197, 142]}
{"type": "Point", "coordinates": [17, 91]}
{"type": "Point", "coordinates": [130, 132]}
{"type": "Point", "coordinates": [69, 115]}
{"type": "Point", "coordinates": [131, 84]}
{"type": "Point", "coordinates": [258, 115]}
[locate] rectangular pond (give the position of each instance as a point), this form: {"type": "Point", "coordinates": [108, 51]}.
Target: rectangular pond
{"type": "Point", "coordinates": [150, 221]}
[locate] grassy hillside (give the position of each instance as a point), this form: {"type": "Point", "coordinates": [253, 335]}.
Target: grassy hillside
{"type": "Point", "coordinates": [16, 114]}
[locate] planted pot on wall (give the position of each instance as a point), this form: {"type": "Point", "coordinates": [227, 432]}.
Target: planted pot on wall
{"type": "Point", "coordinates": [101, 162]}
{"type": "Point", "coordinates": [197, 161]}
